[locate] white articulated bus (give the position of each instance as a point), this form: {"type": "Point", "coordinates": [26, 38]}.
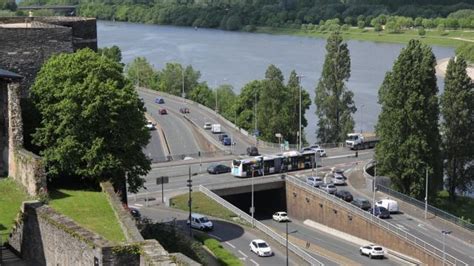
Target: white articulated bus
{"type": "Point", "coordinates": [272, 164]}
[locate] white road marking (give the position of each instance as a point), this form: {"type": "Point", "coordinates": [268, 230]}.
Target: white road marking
{"type": "Point", "coordinates": [401, 227]}
{"type": "Point", "coordinates": [243, 254]}
{"type": "Point", "coordinates": [254, 262]}
{"type": "Point", "coordinates": [138, 204]}
{"type": "Point", "coordinates": [422, 226]}
{"type": "Point", "coordinates": [216, 237]}
{"type": "Point", "coordinates": [227, 242]}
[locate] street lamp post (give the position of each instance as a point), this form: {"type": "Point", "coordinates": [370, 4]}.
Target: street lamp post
{"type": "Point", "coordinates": [444, 244]}
{"type": "Point", "coordinates": [287, 243]}
{"type": "Point", "coordinates": [252, 208]}
{"type": "Point", "coordinates": [374, 188]}
{"type": "Point", "coordinates": [255, 118]}
{"type": "Point", "coordinates": [361, 118]}
{"type": "Point", "coordinates": [299, 127]}
{"type": "Point", "coordinates": [183, 94]}
{"type": "Point", "coordinates": [426, 195]}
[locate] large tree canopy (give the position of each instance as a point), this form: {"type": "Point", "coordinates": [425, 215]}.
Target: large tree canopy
{"type": "Point", "coordinates": [408, 123]}
{"type": "Point", "coordinates": [334, 101]}
{"type": "Point", "coordinates": [93, 123]}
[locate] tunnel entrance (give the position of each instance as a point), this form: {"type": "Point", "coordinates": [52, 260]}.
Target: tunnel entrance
{"type": "Point", "coordinates": [266, 202]}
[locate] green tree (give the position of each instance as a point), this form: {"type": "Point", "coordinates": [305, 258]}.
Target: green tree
{"type": "Point", "coordinates": [421, 32]}
{"type": "Point", "coordinates": [112, 53]}
{"type": "Point", "coordinates": [202, 94]}
{"type": "Point", "coordinates": [226, 100]}
{"type": "Point", "coordinates": [248, 97]}
{"type": "Point", "coordinates": [334, 101]}
{"type": "Point", "coordinates": [174, 77]}
{"type": "Point", "coordinates": [457, 108]}
{"type": "Point", "coordinates": [408, 123]}
{"type": "Point", "coordinates": [142, 73]}
{"type": "Point", "coordinates": [93, 123]}
{"type": "Point", "coordinates": [294, 88]}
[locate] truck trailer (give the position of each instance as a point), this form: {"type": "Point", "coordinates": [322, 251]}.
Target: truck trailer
{"type": "Point", "coordinates": [360, 141]}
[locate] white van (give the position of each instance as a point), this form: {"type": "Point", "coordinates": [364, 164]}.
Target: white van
{"type": "Point", "coordinates": [389, 204]}
{"type": "Point", "coordinates": [216, 128]}
{"type": "Point", "coordinates": [200, 222]}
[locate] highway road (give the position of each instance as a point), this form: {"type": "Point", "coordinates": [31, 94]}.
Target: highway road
{"type": "Point", "coordinates": [233, 237]}
{"type": "Point", "coordinates": [154, 149]}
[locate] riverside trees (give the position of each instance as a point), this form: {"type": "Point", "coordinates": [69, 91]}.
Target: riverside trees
{"type": "Point", "coordinates": [408, 123]}
{"type": "Point", "coordinates": [93, 123]}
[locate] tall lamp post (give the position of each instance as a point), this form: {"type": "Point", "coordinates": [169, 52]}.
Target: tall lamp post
{"type": "Point", "coordinates": [299, 127]}
{"type": "Point", "coordinates": [361, 118]}
{"type": "Point", "coordinates": [426, 195]}
{"type": "Point", "coordinates": [374, 188]}
{"type": "Point", "coordinates": [444, 244]}
{"type": "Point", "coordinates": [252, 207]}
{"type": "Point", "coordinates": [183, 94]}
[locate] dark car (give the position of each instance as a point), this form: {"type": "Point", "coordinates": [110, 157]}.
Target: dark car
{"type": "Point", "coordinates": [380, 212]}
{"type": "Point", "coordinates": [135, 213]}
{"type": "Point", "coordinates": [227, 141]}
{"type": "Point", "coordinates": [222, 137]}
{"type": "Point", "coordinates": [159, 100]}
{"type": "Point", "coordinates": [345, 195]}
{"type": "Point", "coordinates": [184, 110]}
{"type": "Point", "coordinates": [218, 169]}
{"type": "Point", "coordinates": [163, 111]}
{"type": "Point", "coordinates": [361, 203]}
{"type": "Point", "coordinates": [252, 151]}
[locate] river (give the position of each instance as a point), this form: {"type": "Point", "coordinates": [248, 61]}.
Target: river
{"type": "Point", "coordinates": [237, 58]}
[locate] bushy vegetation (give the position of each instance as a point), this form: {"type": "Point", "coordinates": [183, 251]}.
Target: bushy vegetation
{"type": "Point", "coordinates": [466, 51]}
{"type": "Point", "coordinates": [201, 204]}
{"type": "Point", "coordinates": [12, 195]}
{"type": "Point", "coordinates": [224, 256]}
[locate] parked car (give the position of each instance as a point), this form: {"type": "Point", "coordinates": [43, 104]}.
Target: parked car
{"type": "Point", "coordinates": [314, 181]}
{"type": "Point", "coordinates": [321, 152]}
{"type": "Point", "coordinates": [207, 125]}
{"type": "Point", "coordinates": [361, 203]}
{"type": "Point", "coordinates": [252, 151]}
{"type": "Point", "coordinates": [389, 204]}
{"type": "Point", "coordinates": [218, 169]}
{"type": "Point", "coordinates": [222, 136]}
{"type": "Point", "coordinates": [135, 213]}
{"type": "Point", "coordinates": [261, 248]}
{"type": "Point", "coordinates": [311, 148]}
{"type": "Point", "coordinates": [159, 100]}
{"type": "Point", "coordinates": [380, 212]}
{"type": "Point", "coordinates": [150, 125]}
{"type": "Point", "coordinates": [184, 110]}
{"type": "Point", "coordinates": [227, 141]}
{"type": "Point", "coordinates": [338, 180]}
{"type": "Point", "coordinates": [328, 187]}
{"type": "Point", "coordinates": [345, 195]}
{"type": "Point", "coordinates": [200, 222]}
{"type": "Point", "coordinates": [280, 217]}
{"type": "Point", "coordinates": [372, 251]}
{"type": "Point", "coordinates": [163, 111]}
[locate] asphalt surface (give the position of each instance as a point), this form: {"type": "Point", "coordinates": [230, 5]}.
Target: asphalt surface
{"type": "Point", "coordinates": [155, 149]}
{"type": "Point", "coordinates": [233, 237]}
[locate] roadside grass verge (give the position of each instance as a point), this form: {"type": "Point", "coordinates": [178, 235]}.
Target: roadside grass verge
{"type": "Point", "coordinates": [224, 257]}
{"type": "Point", "coordinates": [432, 37]}
{"type": "Point", "coordinates": [11, 197]}
{"type": "Point", "coordinates": [204, 205]}
{"type": "Point", "coordinates": [90, 209]}
{"type": "Point", "coordinates": [463, 206]}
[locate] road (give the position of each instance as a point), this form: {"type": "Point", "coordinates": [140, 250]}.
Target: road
{"type": "Point", "coordinates": [233, 237]}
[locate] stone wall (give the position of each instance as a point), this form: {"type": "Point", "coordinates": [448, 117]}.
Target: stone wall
{"type": "Point", "coordinates": [44, 237]}
{"type": "Point", "coordinates": [304, 204]}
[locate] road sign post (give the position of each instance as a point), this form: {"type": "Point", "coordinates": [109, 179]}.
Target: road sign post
{"type": "Point", "coordinates": [162, 180]}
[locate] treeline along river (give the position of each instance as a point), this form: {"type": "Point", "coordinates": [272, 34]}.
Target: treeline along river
{"type": "Point", "coordinates": [237, 58]}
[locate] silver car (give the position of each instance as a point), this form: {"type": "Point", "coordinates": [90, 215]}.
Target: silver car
{"type": "Point", "coordinates": [329, 188]}
{"type": "Point", "coordinates": [314, 181]}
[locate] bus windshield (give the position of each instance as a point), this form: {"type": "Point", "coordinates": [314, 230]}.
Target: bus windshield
{"type": "Point", "coordinates": [236, 163]}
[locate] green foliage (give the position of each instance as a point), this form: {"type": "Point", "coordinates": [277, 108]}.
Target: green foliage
{"type": "Point", "coordinates": [10, 204]}
{"type": "Point", "coordinates": [224, 256]}
{"type": "Point", "coordinates": [294, 88]}
{"type": "Point", "coordinates": [174, 78]}
{"type": "Point", "coordinates": [457, 108]}
{"type": "Point", "coordinates": [461, 206]}
{"type": "Point", "coordinates": [334, 101]}
{"type": "Point", "coordinates": [408, 123]}
{"type": "Point", "coordinates": [113, 53]}
{"type": "Point", "coordinates": [134, 248]}
{"type": "Point", "coordinates": [93, 123]}
{"type": "Point", "coordinates": [8, 5]}
{"type": "Point", "coordinates": [226, 99]}
{"type": "Point", "coordinates": [466, 51]}
{"type": "Point", "coordinates": [421, 32]}
{"type": "Point", "coordinates": [203, 94]}
{"type": "Point", "coordinates": [141, 73]}
{"type": "Point", "coordinates": [360, 24]}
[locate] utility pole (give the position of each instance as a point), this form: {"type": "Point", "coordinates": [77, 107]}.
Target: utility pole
{"type": "Point", "coordinates": [190, 186]}
{"type": "Point", "coordinates": [426, 195]}
{"type": "Point", "coordinates": [252, 207]}
{"type": "Point", "coordinates": [374, 188]}
{"type": "Point", "coordinates": [287, 263]}
{"type": "Point", "coordinates": [255, 118]}
{"type": "Point", "coordinates": [299, 127]}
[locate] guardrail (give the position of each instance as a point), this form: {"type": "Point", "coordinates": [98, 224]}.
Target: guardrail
{"type": "Point", "coordinates": [265, 229]}
{"type": "Point", "coordinates": [420, 204]}
{"type": "Point", "coordinates": [428, 248]}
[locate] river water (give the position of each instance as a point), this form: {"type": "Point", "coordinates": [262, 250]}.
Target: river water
{"type": "Point", "coordinates": [237, 58]}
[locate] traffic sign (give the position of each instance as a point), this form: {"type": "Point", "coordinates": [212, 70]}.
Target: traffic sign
{"type": "Point", "coordinates": [162, 180]}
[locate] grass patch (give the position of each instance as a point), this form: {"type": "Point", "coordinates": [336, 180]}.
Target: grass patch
{"type": "Point", "coordinates": [224, 256]}
{"type": "Point", "coordinates": [202, 204]}
{"type": "Point", "coordinates": [12, 195]}
{"type": "Point", "coordinates": [463, 206]}
{"type": "Point", "coordinates": [90, 209]}
{"type": "Point", "coordinates": [432, 37]}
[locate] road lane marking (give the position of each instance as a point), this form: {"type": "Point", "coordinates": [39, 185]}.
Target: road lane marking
{"type": "Point", "coordinates": [216, 237]}
{"type": "Point", "coordinates": [401, 227]}
{"type": "Point", "coordinates": [243, 254]}
{"type": "Point", "coordinates": [227, 242]}
{"type": "Point", "coordinates": [422, 226]}
{"type": "Point", "coordinates": [254, 262]}
{"type": "Point", "coordinates": [138, 204]}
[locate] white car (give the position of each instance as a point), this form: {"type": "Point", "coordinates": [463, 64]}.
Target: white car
{"type": "Point", "coordinates": [200, 222]}
{"type": "Point", "coordinates": [338, 180]}
{"type": "Point", "coordinates": [389, 204]}
{"type": "Point", "coordinates": [150, 125]}
{"type": "Point", "coordinates": [372, 251]}
{"type": "Point", "coordinates": [329, 188]}
{"type": "Point", "coordinates": [261, 248]}
{"type": "Point", "coordinates": [321, 152]}
{"type": "Point", "coordinates": [314, 181]}
{"type": "Point", "coordinates": [207, 125]}
{"type": "Point", "coordinates": [280, 217]}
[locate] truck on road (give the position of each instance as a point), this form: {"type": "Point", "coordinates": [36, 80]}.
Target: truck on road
{"type": "Point", "coordinates": [360, 141]}
{"type": "Point", "coordinates": [216, 128]}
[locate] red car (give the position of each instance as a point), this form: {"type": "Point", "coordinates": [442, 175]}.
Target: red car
{"type": "Point", "coordinates": [163, 111]}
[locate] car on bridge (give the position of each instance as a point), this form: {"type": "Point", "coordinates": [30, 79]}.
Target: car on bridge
{"type": "Point", "coordinates": [344, 195]}
{"type": "Point", "coordinates": [280, 217]}
{"type": "Point", "coordinates": [163, 111]}
{"type": "Point", "coordinates": [328, 188]}
{"type": "Point", "coordinates": [150, 125]}
{"type": "Point", "coordinates": [380, 212]}
{"type": "Point", "coordinates": [184, 110]}
{"type": "Point", "coordinates": [207, 125]}
{"type": "Point", "coordinates": [252, 151]}
{"type": "Point", "coordinates": [372, 251]}
{"type": "Point", "coordinates": [218, 169]}
{"type": "Point", "coordinates": [222, 136]}
{"type": "Point", "coordinates": [389, 204]}
{"type": "Point", "coordinates": [261, 248]}
{"type": "Point", "coordinates": [361, 203]}
{"type": "Point", "coordinates": [159, 100]}
{"type": "Point", "coordinates": [314, 181]}
{"type": "Point", "coordinates": [338, 180]}
{"type": "Point", "coordinates": [227, 141]}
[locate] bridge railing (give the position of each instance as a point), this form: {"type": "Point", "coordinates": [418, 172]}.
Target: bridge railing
{"type": "Point", "coordinates": [428, 248]}
{"type": "Point", "coordinates": [265, 229]}
{"type": "Point", "coordinates": [418, 203]}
